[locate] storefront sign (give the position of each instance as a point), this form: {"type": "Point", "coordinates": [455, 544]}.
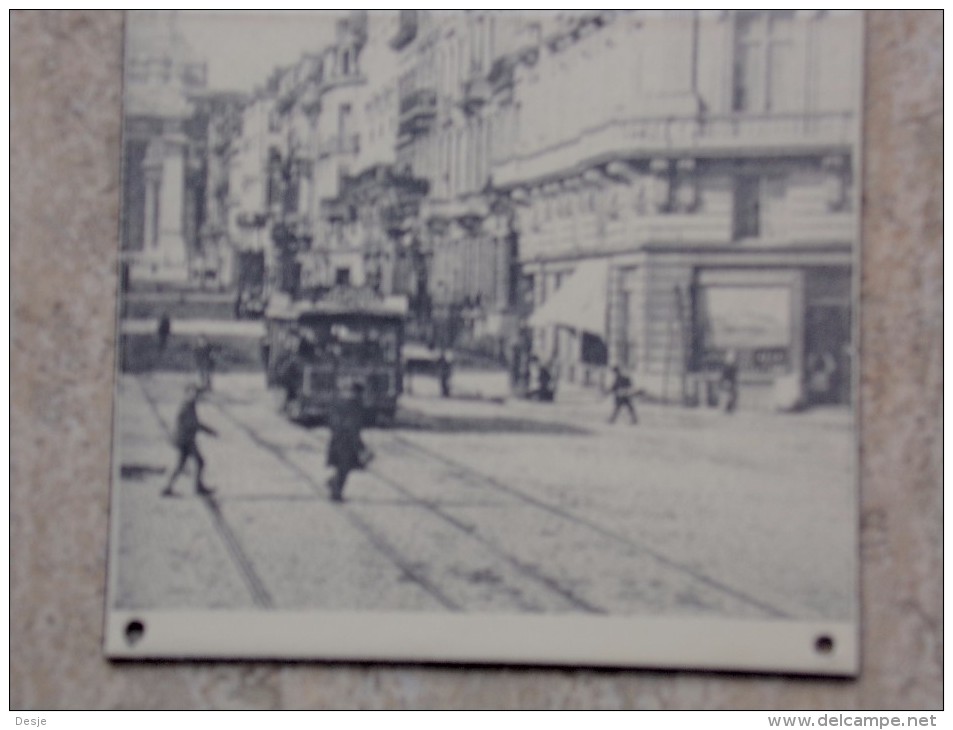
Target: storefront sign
{"type": "Point", "coordinates": [754, 321]}
{"type": "Point", "coordinates": [749, 317]}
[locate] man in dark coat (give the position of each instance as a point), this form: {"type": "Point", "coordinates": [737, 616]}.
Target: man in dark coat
{"type": "Point", "coordinates": [346, 450]}
{"type": "Point", "coordinates": [444, 373]}
{"type": "Point", "coordinates": [163, 330]}
{"type": "Point", "coordinates": [187, 427]}
{"type": "Point", "coordinates": [621, 389]}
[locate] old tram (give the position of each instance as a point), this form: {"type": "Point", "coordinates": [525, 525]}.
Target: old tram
{"type": "Point", "coordinates": [316, 350]}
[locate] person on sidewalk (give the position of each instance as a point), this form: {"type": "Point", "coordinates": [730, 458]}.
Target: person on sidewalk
{"type": "Point", "coordinates": [205, 362]}
{"type": "Point", "coordinates": [728, 382]}
{"type": "Point", "coordinates": [622, 392]}
{"type": "Point", "coordinates": [163, 331]}
{"type": "Point", "coordinates": [444, 373]}
{"type": "Point", "coordinates": [346, 449]}
{"type": "Point", "coordinates": [187, 427]}
{"type": "Point", "coordinates": [541, 384]}
{"type": "Point", "coordinates": [821, 371]}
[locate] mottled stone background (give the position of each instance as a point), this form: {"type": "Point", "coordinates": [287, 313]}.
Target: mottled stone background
{"type": "Point", "coordinates": [65, 121]}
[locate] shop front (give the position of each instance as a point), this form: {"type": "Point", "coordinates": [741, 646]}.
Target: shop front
{"type": "Point", "coordinates": [787, 330]}
{"type": "Point", "coordinates": [569, 328]}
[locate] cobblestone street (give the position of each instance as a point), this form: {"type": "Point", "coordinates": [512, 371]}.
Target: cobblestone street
{"type": "Point", "coordinates": [478, 504]}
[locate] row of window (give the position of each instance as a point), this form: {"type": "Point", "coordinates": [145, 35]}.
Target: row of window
{"type": "Point", "coordinates": [446, 64]}
{"type": "Point", "coordinates": [563, 94]}
{"type": "Point", "coordinates": [752, 198]}
{"type": "Point", "coordinates": [164, 70]}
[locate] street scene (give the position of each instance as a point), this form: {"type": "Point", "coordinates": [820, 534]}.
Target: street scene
{"type": "Point", "coordinates": [489, 312]}
{"type": "Point", "coordinates": [479, 505]}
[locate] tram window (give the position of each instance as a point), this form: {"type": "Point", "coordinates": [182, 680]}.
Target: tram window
{"type": "Point", "coordinates": [320, 333]}
{"type": "Point", "coordinates": [344, 333]}
{"type": "Point", "coordinates": [388, 345]}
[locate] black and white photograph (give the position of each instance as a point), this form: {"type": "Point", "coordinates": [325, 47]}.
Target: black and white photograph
{"type": "Point", "coordinates": [489, 337]}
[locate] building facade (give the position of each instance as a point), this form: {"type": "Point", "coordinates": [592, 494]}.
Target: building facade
{"type": "Point", "coordinates": [369, 208]}
{"type": "Point", "coordinates": [214, 125]}
{"type": "Point", "coordinates": [686, 188]}
{"type": "Point", "coordinates": [250, 191]}
{"type": "Point", "coordinates": [161, 166]}
{"type": "Point", "coordinates": [660, 190]}
{"type": "Point", "coordinates": [453, 92]}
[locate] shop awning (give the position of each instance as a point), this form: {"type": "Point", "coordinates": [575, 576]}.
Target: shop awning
{"type": "Point", "coordinates": [580, 302]}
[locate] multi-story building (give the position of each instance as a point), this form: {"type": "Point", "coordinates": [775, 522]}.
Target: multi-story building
{"type": "Point", "coordinates": [338, 255]}
{"type": "Point", "coordinates": [249, 190]}
{"type": "Point", "coordinates": [453, 94]}
{"type": "Point", "coordinates": [649, 189]}
{"type": "Point", "coordinates": [298, 141]}
{"type": "Point", "coordinates": [160, 164]}
{"type": "Point", "coordinates": [290, 170]}
{"type": "Point", "coordinates": [337, 179]}
{"type": "Point", "coordinates": [686, 187]}
{"type": "Point", "coordinates": [368, 205]}
{"type": "Point", "coordinates": [213, 126]}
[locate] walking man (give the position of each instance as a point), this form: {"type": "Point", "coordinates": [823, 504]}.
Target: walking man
{"type": "Point", "coordinates": [187, 427]}
{"type": "Point", "coordinates": [346, 450]}
{"type": "Point", "coordinates": [621, 390]}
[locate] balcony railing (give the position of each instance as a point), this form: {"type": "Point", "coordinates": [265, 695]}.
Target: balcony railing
{"type": "Point", "coordinates": [713, 135]}
{"type": "Point", "coordinates": [348, 144]}
{"type": "Point", "coordinates": [335, 209]}
{"type": "Point", "coordinates": [252, 220]}
{"type": "Point", "coordinates": [476, 92]}
{"type": "Point", "coordinates": [421, 101]}
{"type": "Point", "coordinates": [418, 110]}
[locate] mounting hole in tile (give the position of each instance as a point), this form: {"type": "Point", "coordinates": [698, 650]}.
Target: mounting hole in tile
{"type": "Point", "coordinates": [824, 644]}
{"type": "Point", "coordinates": [135, 630]}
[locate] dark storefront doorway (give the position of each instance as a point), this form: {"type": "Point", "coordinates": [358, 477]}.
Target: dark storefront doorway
{"type": "Point", "coordinates": [826, 354]}
{"type": "Point", "coordinates": [827, 336]}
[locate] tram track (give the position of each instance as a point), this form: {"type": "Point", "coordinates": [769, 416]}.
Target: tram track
{"type": "Point", "coordinates": [530, 571]}
{"type": "Point", "coordinates": [410, 570]}
{"type": "Point", "coordinates": [380, 543]}
{"type": "Point", "coordinates": [550, 583]}
{"type": "Point", "coordinates": [376, 539]}
{"type": "Point", "coordinates": [592, 526]}
{"type": "Point", "coordinates": [253, 582]}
